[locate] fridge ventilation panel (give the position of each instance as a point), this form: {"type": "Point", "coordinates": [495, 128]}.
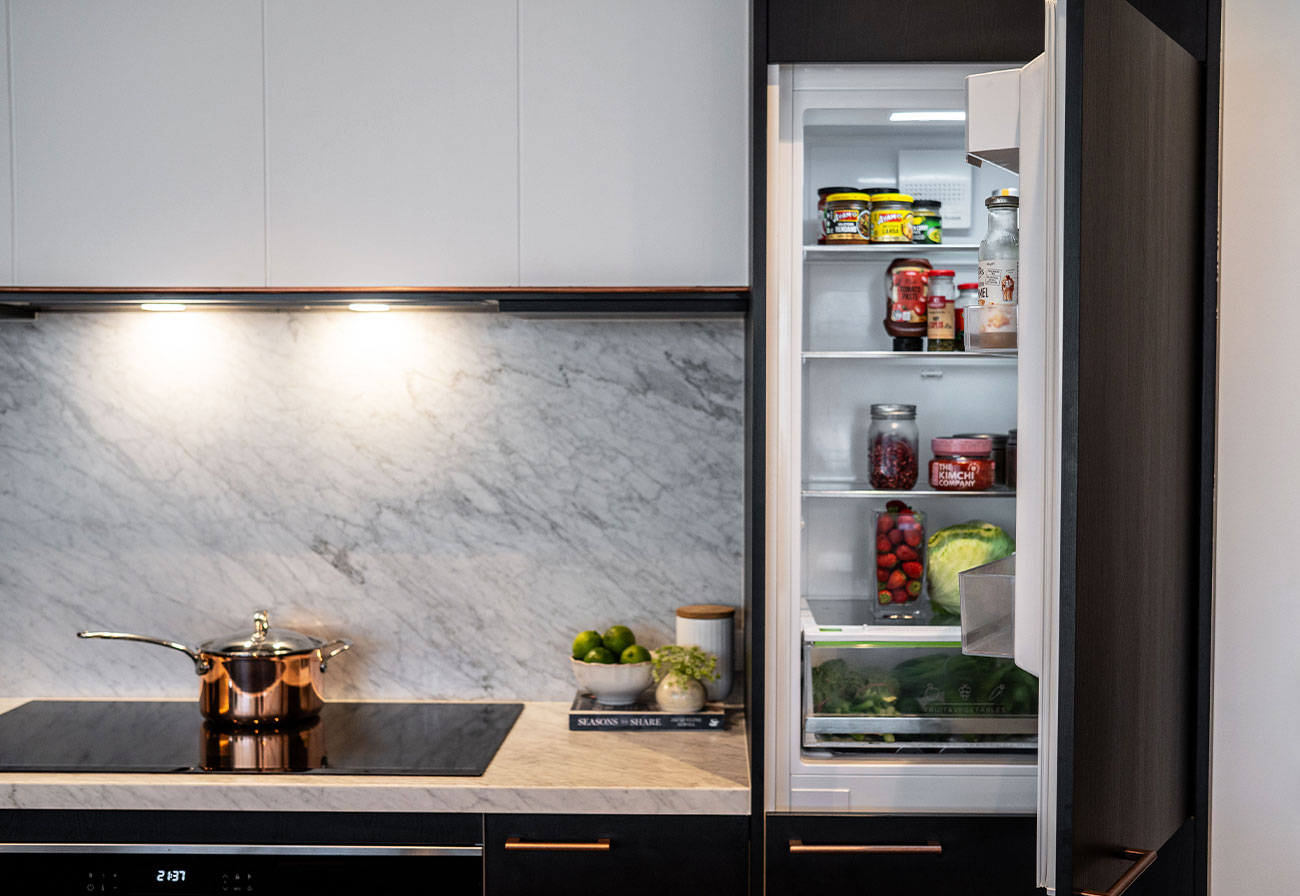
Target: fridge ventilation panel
{"type": "Point", "coordinates": [938, 174]}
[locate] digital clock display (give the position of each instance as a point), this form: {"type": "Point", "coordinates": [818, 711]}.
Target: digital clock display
{"type": "Point", "coordinates": [170, 875]}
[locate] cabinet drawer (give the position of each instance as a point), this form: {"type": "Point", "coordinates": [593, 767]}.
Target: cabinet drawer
{"type": "Point", "coordinates": [626, 854]}
{"type": "Point", "coordinates": [972, 856]}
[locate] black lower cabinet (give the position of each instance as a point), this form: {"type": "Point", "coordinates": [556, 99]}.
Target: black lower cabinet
{"type": "Point", "coordinates": [927, 855]}
{"type": "Point", "coordinates": [629, 855]}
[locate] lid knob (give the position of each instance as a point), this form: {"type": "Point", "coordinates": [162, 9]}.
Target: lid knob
{"type": "Point", "coordinates": [260, 625]}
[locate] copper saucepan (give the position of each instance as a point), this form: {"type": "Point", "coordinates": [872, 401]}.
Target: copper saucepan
{"type": "Point", "coordinates": [272, 677]}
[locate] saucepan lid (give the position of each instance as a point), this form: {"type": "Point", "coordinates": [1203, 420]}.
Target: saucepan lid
{"type": "Point", "coordinates": [262, 641]}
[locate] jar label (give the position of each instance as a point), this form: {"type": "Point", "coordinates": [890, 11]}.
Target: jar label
{"type": "Point", "coordinates": [940, 320]}
{"type": "Point", "coordinates": [927, 229]}
{"type": "Point", "coordinates": [999, 281]}
{"type": "Point", "coordinates": [907, 305]}
{"type": "Point", "coordinates": [848, 225]}
{"type": "Point", "coordinates": [891, 226]}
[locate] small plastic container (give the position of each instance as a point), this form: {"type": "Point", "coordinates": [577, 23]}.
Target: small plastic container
{"type": "Point", "coordinates": [967, 294]}
{"type": "Point", "coordinates": [961, 465]}
{"type": "Point", "coordinates": [893, 439]}
{"type": "Point", "coordinates": [991, 328]}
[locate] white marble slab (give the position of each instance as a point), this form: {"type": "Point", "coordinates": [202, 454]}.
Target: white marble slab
{"type": "Point", "coordinates": [542, 767]}
{"type": "Point", "coordinates": [457, 493]}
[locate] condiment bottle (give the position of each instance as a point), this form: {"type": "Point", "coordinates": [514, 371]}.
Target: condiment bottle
{"type": "Point", "coordinates": [968, 294]}
{"type": "Point", "coordinates": [906, 288]}
{"type": "Point", "coordinates": [999, 257]}
{"type": "Point", "coordinates": [961, 464]}
{"type": "Point", "coordinates": [940, 311]}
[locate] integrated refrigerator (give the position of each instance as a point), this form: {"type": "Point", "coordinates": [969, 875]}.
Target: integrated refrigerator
{"type": "Point", "coordinates": [877, 708]}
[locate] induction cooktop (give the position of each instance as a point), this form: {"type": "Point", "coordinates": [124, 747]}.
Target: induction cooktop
{"type": "Point", "coordinates": [346, 739]}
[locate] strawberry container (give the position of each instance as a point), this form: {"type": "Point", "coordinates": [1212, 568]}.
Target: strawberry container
{"type": "Point", "coordinates": [899, 535]}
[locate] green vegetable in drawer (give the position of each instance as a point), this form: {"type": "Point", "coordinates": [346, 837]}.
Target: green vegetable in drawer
{"type": "Point", "coordinates": [839, 688]}
{"type": "Point", "coordinates": [953, 684]}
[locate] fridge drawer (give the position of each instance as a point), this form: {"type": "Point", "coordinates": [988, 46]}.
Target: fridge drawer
{"type": "Point", "coordinates": [920, 695]}
{"type": "Point", "coordinates": [901, 855]}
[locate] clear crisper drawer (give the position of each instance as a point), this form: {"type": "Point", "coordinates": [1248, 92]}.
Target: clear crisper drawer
{"type": "Point", "coordinates": [923, 695]}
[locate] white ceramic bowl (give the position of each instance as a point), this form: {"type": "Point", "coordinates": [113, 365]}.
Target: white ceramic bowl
{"type": "Point", "coordinates": [614, 684]}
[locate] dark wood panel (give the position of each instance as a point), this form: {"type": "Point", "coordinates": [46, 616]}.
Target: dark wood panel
{"type": "Point", "coordinates": [1186, 21]}
{"type": "Point", "coordinates": [1134, 600]}
{"type": "Point", "coordinates": [914, 31]}
{"type": "Point", "coordinates": [981, 855]}
{"type": "Point", "coordinates": [648, 855]}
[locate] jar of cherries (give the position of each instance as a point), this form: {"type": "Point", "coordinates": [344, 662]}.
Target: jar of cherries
{"type": "Point", "coordinates": [893, 438]}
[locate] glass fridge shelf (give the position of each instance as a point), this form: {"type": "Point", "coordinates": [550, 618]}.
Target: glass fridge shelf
{"type": "Point", "coordinates": [857, 490]}
{"type": "Point", "coordinates": [879, 251]}
{"type": "Point", "coordinates": [848, 622]}
{"type": "Point", "coordinates": [924, 359]}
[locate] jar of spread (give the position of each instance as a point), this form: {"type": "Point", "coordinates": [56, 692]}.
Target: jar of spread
{"type": "Point", "coordinates": [940, 311]}
{"type": "Point", "coordinates": [823, 220]}
{"type": "Point", "coordinates": [891, 218]}
{"type": "Point", "coordinates": [906, 291]}
{"type": "Point", "coordinates": [961, 465]}
{"type": "Point", "coordinates": [848, 218]}
{"type": "Point", "coordinates": [999, 452]}
{"type": "Point", "coordinates": [893, 439]}
{"type": "Point", "coordinates": [927, 223]}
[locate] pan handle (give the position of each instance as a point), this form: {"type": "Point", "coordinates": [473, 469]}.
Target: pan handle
{"type": "Point", "coordinates": [332, 649]}
{"type": "Point", "coordinates": [200, 664]}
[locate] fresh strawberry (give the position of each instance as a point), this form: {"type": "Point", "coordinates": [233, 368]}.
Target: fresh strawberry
{"type": "Point", "coordinates": [886, 523]}
{"type": "Point", "coordinates": [896, 580]}
{"type": "Point", "coordinates": [884, 545]}
{"type": "Point", "coordinates": [895, 536]}
{"type": "Point", "coordinates": [906, 554]}
{"type": "Point", "coordinates": [882, 575]}
{"type": "Point", "coordinates": [914, 588]}
{"type": "Point", "coordinates": [886, 561]}
{"type": "Point", "coordinates": [898, 596]}
{"type": "Point", "coordinates": [884, 596]}
{"type": "Point", "coordinates": [896, 506]}
{"type": "Point", "coordinates": [906, 520]}
{"type": "Point", "coordinates": [912, 537]}
{"type": "Point", "coordinates": [912, 570]}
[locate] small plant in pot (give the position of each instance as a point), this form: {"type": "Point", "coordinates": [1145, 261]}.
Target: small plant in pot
{"type": "Point", "coordinates": [680, 671]}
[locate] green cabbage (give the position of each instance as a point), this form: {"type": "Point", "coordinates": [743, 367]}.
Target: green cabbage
{"type": "Point", "coordinates": [958, 548]}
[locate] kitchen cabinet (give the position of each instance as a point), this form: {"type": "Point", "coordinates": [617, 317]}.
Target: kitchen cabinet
{"type": "Point", "coordinates": [391, 143]}
{"type": "Point", "coordinates": [137, 143]}
{"type": "Point", "coordinates": [633, 142]}
{"type": "Point", "coordinates": [919, 31]}
{"type": "Point", "coordinates": [904, 856]}
{"type": "Point", "coordinates": [628, 854]}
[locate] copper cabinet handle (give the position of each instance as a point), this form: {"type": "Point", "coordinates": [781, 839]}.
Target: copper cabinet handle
{"type": "Point", "coordinates": [932, 848]}
{"type": "Point", "coordinates": [601, 845]}
{"type": "Point", "coordinates": [1142, 859]}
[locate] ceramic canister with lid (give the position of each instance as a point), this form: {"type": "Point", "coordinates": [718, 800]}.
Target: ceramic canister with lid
{"type": "Point", "coordinates": [710, 627]}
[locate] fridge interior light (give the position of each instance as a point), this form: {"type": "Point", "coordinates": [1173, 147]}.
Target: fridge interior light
{"type": "Point", "coordinates": [367, 306]}
{"type": "Point", "coordinates": [162, 306]}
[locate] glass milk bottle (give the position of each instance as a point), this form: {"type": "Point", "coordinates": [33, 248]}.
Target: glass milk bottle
{"type": "Point", "coordinates": [999, 258]}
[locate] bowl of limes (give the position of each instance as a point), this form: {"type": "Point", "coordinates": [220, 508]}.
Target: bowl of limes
{"type": "Point", "coordinates": [611, 667]}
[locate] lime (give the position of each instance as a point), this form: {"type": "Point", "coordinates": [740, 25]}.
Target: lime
{"type": "Point", "coordinates": [634, 654]}
{"type": "Point", "coordinates": [600, 655]}
{"type": "Point", "coordinates": [619, 638]}
{"type": "Point", "coordinates": [585, 643]}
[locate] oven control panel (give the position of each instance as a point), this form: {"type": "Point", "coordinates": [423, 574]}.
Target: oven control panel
{"type": "Point", "coordinates": [63, 874]}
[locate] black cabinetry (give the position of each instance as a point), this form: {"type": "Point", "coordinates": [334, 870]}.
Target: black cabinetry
{"type": "Point", "coordinates": [901, 855]}
{"type": "Point", "coordinates": [625, 854]}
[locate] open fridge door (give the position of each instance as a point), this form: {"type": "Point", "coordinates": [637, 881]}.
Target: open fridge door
{"type": "Point", "coordinates": [1016, 121]}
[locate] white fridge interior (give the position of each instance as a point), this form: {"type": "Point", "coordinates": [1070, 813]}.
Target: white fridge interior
{"type": "Point", "coordinates": [830, 359]}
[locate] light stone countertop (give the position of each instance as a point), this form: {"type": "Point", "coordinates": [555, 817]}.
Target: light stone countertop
{"type": "Point", "coordinates": [542, 767]}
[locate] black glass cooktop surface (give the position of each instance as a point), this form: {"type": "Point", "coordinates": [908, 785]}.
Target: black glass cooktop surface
{"type": "Point", "coordinates": [346, 739]}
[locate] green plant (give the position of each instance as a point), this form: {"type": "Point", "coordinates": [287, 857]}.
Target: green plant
{"type": "Point", "coordinates": [688, 662]}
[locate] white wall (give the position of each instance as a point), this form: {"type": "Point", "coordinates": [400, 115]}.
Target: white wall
{"type": "Point", "coordinates": [1255, 777]}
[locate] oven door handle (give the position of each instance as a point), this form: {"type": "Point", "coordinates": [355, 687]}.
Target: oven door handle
{"type": "Point", "coordinates": [241, 849]}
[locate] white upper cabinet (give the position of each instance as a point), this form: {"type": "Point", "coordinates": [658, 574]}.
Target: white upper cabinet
{"type": "Point", "coordinates": [137, 143]}
{"type": "Point", "coordinates": [392, 143]}
{"type": "Point", "coordinates": [634, 142]}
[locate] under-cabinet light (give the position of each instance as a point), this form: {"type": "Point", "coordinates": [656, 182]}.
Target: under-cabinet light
{"type": "Point", "coordinates": [929, 115]}
{"type": "Point", "coordinates": [162, 306]}
{"type": "Point", "coordinates": [367, 306]}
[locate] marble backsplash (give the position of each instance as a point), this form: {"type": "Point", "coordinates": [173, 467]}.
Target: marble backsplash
{"type": "Point", "coordinates": [458, 493]}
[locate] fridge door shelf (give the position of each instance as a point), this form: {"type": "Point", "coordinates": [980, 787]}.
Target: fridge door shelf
{"type": "Point", "coordinates": [988, 601]}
